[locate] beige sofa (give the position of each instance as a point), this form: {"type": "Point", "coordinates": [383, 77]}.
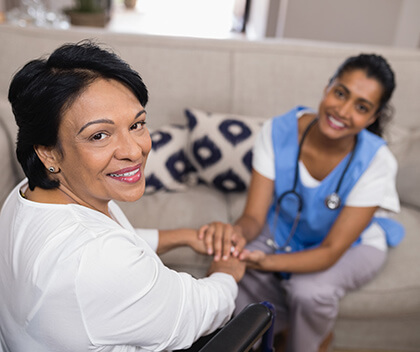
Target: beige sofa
{"type": "Point", "coordinates": [247, 81]}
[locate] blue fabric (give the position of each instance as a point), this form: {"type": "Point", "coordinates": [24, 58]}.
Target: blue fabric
{"type": "Point", "coordinates": [316, 219]}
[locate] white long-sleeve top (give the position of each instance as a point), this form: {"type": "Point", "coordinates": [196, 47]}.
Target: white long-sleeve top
{"type": "Point", "coordinates": [73, 279]}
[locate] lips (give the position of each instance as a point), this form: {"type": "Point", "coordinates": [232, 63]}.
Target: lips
{"type": "Point", "coordinates": [129, 175]}
{"type": "Point", "coordinates": [335, 123]}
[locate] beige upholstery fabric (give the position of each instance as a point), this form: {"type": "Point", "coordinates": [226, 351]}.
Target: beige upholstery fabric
{"type": "Point", "coordinates": [405, 144]}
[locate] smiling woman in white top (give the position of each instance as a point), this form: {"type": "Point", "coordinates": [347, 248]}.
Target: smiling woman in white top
{"type": "Point", "coordinates": [74, 274]}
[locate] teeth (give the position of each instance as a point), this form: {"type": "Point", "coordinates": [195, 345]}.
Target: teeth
{"type": "Point", "coordinates": [336, 122]}
{"type": "Point", "coordinates": [127, 174]}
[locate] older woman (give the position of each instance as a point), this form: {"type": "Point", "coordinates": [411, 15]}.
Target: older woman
{"type": "Point", "coordinates": [74, 274]}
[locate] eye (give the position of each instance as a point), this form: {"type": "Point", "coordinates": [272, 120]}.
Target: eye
{"type": "Point", "coordinates": [362, 108]}
{"type": "Point", "coordinates": [339, 93]}
{"type": "Point", "coordinates": [137, 125]}
{"type": "Point", "coordinates": [98, 136]}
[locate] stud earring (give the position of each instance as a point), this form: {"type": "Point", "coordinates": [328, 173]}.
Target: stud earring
{"type": "Point", "coordinates": [51, 169]}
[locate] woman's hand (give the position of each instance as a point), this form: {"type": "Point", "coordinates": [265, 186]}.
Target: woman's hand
{"type": "Point", "coordinates": [232, 266]}
{"type": "Point", "coordinates": [254, 259]}
{"type": "Point", "coordinates": [222, 240]}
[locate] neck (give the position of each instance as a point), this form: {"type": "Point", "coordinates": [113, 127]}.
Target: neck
{"type": "Point", "coordinates": [321, 142]}
{"type": "Point", "coordinates": [73, 198]}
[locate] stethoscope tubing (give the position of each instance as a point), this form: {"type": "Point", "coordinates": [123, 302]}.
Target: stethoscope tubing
{"type": "Point", "coordinates": [332, 201]}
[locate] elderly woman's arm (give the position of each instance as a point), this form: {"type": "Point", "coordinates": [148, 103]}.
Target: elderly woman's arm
{"type": "Point", "coordinates": [169, 239]}
{"type": "Point", "coordinates": [162, 241]}
{"type": "Point", "coordinates": [128, 297]}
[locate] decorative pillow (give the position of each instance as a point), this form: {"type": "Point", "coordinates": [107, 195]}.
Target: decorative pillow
{"type": "Point", "coordinates": [167, 165]}
{"type": "Point", "coordinates": [220, 148]}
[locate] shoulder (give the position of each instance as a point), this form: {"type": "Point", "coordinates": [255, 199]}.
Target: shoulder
{"type": "Point", "coordinates": [384, 160]}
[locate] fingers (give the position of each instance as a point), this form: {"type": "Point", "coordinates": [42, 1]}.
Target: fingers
{"type": "Point", "coordinates": [221, 240]}
{"type": "Point", "coordinates": [201, 231]}
{"type": "Point", "coordinates": [222, 244]}
{"type": "Point", "coordinates": [238, 243]}
{"type": "Point", "coordinates": [252, 257]}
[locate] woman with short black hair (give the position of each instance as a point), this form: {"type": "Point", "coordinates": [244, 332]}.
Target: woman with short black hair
{"type": "Point", "coordinates": [74, 274]}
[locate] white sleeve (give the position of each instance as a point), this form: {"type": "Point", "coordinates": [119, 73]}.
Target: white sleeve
{"type": "Point", "coordinates": [151, 236]}
{"type": "Point", "coordinates": [263, 152]}
{"type": "Point", "coordinates": [377, 185]}
{"type": "Point", "coordinates": [128, 297]}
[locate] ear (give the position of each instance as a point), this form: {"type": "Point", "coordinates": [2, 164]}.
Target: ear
{"type": "Point", "coordinates": [49, 156]}
{"type": "Point", "coordinates": [372, 119]}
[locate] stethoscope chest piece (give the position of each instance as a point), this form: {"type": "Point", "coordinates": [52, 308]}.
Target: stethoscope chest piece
{"type": "Point", "coordinates": [333, 201]}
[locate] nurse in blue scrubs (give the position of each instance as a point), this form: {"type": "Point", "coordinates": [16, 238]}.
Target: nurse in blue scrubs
{"type": "Point", "coordinates": [317, 220]}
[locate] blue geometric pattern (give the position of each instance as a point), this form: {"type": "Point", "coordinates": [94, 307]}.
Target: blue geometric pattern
{"type": "Point", "coordinates": [206, 152]}
{"type": "Point", "coordinates": [159, 139]}
{"type": "Point", "coordinates": [153, 183]}
{"type": "Point", "coordinates": [247, 160]}
{"type": "Point", "coordinates": [220, 148]}
{"type": "Point", "coordinates": [168, 165]}
{"type": "Point", "coordinates": [191, 120]}
{"type": "Point", "coordinates": [229, 182]}
{"type": "Point", "coordinates": [234, 131]}
{"type": "Point", "coordinates": [178, 165]}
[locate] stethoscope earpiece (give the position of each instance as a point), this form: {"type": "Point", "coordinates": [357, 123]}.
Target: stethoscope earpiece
{"type": "Point", "coordinates": [333, 201]}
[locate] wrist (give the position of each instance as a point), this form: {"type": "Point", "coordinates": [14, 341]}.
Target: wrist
{"type": "Point", "coordinates": [238, 229]}
{"type": "Point", "coordinates": [189, 237]}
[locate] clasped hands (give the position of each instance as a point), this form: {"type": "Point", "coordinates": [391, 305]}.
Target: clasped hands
{"type": "Point", "coordinates": [224, 240]}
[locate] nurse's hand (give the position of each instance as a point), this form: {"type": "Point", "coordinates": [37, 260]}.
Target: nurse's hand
{"type": "Point", "coordinates": [254, 259]}
{"type": "Point", "coordinates": [222, 240]}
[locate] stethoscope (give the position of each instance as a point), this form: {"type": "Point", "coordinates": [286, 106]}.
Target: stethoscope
{"type": "Point", "coordinates": [332, 201]}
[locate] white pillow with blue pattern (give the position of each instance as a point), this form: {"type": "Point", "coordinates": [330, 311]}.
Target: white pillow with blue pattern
{"type": "Point", "coordinates": [220, 148]}
{"type": "Point", "coordinates": [167, 165]}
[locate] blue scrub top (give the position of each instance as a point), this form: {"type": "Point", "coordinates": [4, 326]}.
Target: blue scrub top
{"type": "Point", "coordinates": [316, 219]}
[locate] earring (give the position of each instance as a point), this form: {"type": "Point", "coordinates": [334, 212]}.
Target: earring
{"type": "Point", "coordinates": [51, 169]}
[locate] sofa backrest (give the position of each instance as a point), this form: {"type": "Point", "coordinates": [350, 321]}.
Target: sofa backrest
{"type": "Point", "coordinates": [233, 76]}
{"type": "Point", "coordinates": [256, 78]}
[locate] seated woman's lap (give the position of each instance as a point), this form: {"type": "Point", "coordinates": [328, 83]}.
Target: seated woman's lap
{"type": "Point", "coordinates": [318, 293]}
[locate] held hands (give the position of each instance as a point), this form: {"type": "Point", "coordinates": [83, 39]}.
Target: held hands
{"type": "Point", "coordinates": [222, 240]}
{"type": "Point", "coordinates": [253, 260]}
{"type": "Point", "coordinates": [232, 266]}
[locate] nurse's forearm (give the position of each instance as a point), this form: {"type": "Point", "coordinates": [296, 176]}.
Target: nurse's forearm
{"type": "Point", "coordinates": [249, 227]}
{"type": "Point", "coordinates": [311, 260]}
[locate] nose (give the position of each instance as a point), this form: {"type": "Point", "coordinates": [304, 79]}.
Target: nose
{"type": "Point", "coordinates": [345, 109]}
{"type": "Point", "coordinates": [132, 147]}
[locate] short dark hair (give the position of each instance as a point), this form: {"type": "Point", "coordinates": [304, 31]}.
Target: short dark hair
{"type": "Point", "coordinates": [378, 68]}
{"type": "Point", "coordinates": [45, 88]}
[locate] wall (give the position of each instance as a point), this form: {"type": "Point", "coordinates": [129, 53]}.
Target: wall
{"type": "Point", "coordinates": [408, 29]}
{"type": "Point", "coordinates": [378, 22]}
{"type": "Point", "coordinates": [356, 21]}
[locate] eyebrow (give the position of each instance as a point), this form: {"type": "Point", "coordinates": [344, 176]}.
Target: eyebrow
{"type": "Point", "coordinates": [141, 112]}
{"type": "Point", "coordinates": [362, 99]}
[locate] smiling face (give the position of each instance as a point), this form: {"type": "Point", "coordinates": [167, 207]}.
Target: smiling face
{"type": "Point", "coordinates": [104, 146]}
{"type": "Point", "coordinates": [350, 104]}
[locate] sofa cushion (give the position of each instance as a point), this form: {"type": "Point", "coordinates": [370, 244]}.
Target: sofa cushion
{"type": "Point", "coordinates": [396, 289]}
{"type": "Point", "coordinates": [167, 165]}
{"type": "Point", "coordinates": [220, 148]}
{"type": "Point", "coordinates": [196, 206]}
{"type": "Point", "coordinates": [405, 145]}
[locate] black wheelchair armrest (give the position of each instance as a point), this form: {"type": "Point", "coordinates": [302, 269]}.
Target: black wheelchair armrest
{"type": "Point", "coordinates": [241, 333]}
